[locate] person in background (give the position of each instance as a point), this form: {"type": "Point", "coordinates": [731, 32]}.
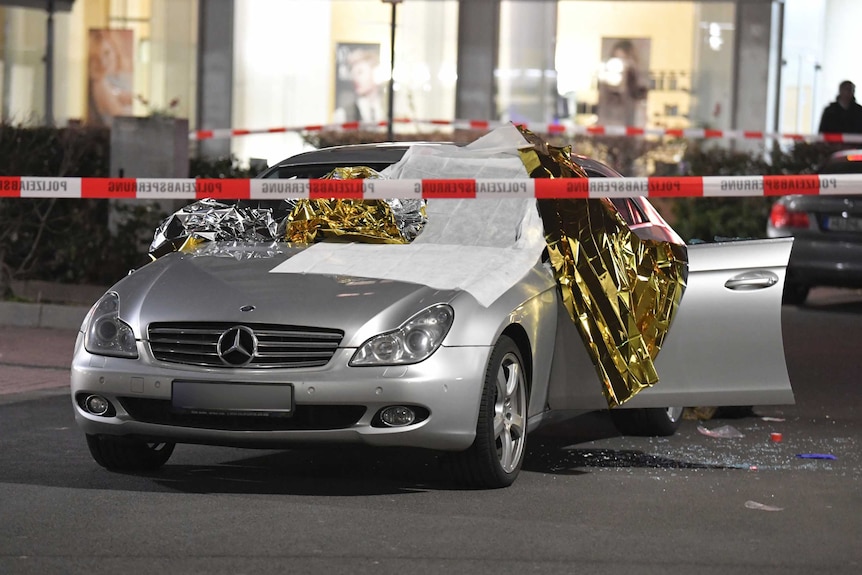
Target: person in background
{"type": "Point", "coordinates": [365, 103]}
{"type": "Point", "coordinates": [622, 90]}
{"type": "Point", "coordinates": [110, 92]}
{"type": "Point", "coordinates": [844, 115]}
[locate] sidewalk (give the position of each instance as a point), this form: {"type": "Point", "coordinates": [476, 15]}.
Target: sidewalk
{"type": "Point", "coordinates": [37, 339]}
{"type": "Point", "coordinates": [42, 315]}
{"type": "Point", "coordinates": [35, 359]}
{"type": "Point", "coordinates": [56, 306]}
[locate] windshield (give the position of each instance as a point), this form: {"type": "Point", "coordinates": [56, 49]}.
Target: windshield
{"type": "Point", "coordinates": [485, 222]}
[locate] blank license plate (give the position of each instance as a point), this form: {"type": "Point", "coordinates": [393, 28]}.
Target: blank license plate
{"type": "Point", "coordinates": [837, 224]}
{"type": "Point", "coordinates": [206, 398]}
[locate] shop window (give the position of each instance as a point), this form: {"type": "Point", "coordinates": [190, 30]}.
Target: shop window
{"type": "Point", "coordinates": [648, 64]}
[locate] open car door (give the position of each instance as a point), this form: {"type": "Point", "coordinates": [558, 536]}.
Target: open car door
{"type": "Point", "coordinates": [724, 347]}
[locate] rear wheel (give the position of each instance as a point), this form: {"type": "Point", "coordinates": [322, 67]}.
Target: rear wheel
{"type": "Point", "coordinates": [649, 421]}
{"type": "Point", "coordinates": [123, 454]}
{"type": "Point", "coordinates": [494, 460]}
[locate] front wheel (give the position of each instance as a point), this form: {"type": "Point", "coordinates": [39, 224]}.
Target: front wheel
{"type": "Point", "coordinates": [647, 421]}
{"type": "Point", "coordinates": [122, 454]}
{"type": "Point", "coordinates": [495, 458]}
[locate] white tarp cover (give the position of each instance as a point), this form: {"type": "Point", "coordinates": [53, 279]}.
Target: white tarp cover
{"type": "Point", "coordinates": [481, 246]}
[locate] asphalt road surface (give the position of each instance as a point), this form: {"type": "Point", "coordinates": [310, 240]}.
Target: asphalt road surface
{"type": "Point", "coordinates": [588, 500]}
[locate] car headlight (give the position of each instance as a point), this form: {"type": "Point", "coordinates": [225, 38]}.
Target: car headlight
{"type": "Point", "coordinates": [414, 341]}
{"type": "Point", "coordinates": [105, 333]}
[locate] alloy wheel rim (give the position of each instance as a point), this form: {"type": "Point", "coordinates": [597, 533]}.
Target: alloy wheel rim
{"type": "Point", "coordinates": [510, 412]}
{"type": "Point", "coordinates": [674, 413]}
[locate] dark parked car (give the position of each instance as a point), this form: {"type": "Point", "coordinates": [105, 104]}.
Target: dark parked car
{"type": "Point", "coordinates": [827, 232]}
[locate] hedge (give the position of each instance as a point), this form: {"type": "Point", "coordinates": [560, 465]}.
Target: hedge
{"type": "Point", "coordinates": [71, 241]}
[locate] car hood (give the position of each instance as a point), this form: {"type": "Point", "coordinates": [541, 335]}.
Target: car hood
{"type": "Point", "coordinates": [187, 288]}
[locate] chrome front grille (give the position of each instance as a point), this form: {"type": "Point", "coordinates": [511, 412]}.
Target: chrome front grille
{"type": "Point", "coordinates": [278, 346]}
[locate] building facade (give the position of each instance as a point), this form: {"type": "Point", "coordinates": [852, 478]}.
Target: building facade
{"type": "Point", "coordinates": [765, 65]}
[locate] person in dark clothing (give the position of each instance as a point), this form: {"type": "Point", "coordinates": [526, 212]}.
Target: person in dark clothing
{"type": "Point", "coordinates": [844, 115]}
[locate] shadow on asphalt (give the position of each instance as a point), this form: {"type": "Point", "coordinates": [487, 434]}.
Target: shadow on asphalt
{"type": "Point", "coordinates": [327, 472]}
{"type": "Point", "coordinates": [555, 450]}
{"type": "Point", "coordinates": [559, 449]}
{"type": "Point", "coordinates": [365, 471]}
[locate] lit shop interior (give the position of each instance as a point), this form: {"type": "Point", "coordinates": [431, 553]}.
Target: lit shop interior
{"type": "Point", "coordinates": [292, 63]}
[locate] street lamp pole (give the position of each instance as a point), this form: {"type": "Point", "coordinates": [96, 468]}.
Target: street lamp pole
{"type": "Point", "coordinates": [49, 66]}
{"type": "Point", "coordinates": [391, 118]}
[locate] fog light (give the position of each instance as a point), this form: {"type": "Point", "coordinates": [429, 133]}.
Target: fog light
{"type": "Point", "coordinates": [97, 405]}
{"type": "Point", "coordinates": [397, 415]}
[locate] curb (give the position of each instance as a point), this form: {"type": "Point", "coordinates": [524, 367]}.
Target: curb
{"type": "Point", "coordinates": [42, 315]}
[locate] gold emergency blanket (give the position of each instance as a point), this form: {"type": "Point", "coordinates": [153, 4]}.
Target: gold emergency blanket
{"type": "Point", "coordinates": [370, 221]}
{"type": "Point", "coordinates": [620, 290]}
{"type": "Point", "coordinates": [350, 220]}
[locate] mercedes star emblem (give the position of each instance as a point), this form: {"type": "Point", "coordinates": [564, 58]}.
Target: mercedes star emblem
{"type": "Point", "coordinates": [237, 346]}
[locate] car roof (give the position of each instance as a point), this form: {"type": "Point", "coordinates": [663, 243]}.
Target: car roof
{"type": "Point", "coordinates": [378, 156]}
{"type": "Point", "coordinates": [318, 163]}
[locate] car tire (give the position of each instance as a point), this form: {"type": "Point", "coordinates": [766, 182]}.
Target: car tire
{"type": "Point", "coordinates": [794, 293]}
{"type": "Point", "coordinates": [495, 458]}
{"type": "Point", "coordinates": [122, 454]}
{"type": "Point", "coordinates": [647, 422]}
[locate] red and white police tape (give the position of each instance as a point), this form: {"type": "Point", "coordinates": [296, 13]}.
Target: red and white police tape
{"type": "Point", "coordinates": [540, 128]}
{"type": "Point", "coordinates": [563, 188]}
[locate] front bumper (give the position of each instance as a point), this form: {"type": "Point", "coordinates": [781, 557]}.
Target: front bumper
{"type": "Point", "coordinates": [333, 404]}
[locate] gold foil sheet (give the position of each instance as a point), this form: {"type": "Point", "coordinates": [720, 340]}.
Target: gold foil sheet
{"type": "Point", "coordinates": [369, 221]}
{"type": "Point", "coordinates": [620, 290]}
{"type": "Point", "coordinates": [546, 161]}
{"type": "Point", "coordinates": [352, 173]}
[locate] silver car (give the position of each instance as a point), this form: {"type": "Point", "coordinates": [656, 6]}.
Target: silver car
{"type": "Point", "coordinates": [286, 350]}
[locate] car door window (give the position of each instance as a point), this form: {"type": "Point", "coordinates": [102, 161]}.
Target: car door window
{"type": "Point", "coordinates": [630, 211]}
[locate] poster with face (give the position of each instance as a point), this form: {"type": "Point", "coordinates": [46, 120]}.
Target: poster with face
{"type": "Point", "coordinates": [110, 75]}
{"type": "Point", "coordinates": [358, 93]}
{"type": "Point", "coordinates": [623, 81]}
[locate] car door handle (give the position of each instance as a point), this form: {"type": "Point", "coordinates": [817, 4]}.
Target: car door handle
{"type": "Point", "coordinates": [752, 280]}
